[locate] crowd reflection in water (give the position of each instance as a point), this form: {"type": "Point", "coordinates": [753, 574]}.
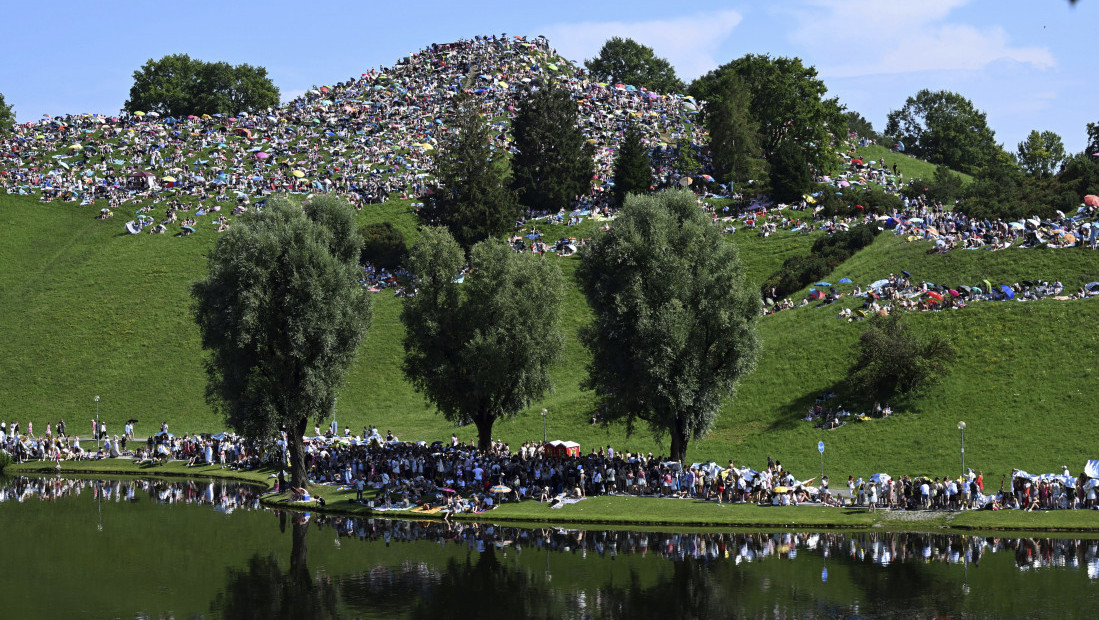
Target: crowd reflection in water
{"type": "Point", "coordinates": [223, 496]}
{"type": "Point", "coordinates": [883, 548]}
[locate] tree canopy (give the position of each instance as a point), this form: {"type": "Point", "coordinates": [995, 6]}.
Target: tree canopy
{"type": "Point", "coordinates": [1041, 153]}
{"type": "Point", "coordinates": [858, 125]}
{"type": "Point", "coordinates": [625, 61]}
{"type": "Point", "coordinates": [7, 115]}
{"type": "Point", "coordinates": [944, 127]}
{"type": "Point", "coordinates": [471, 196]}
{"type": "Point", "coordinates": [675, 322]}
{"type": "Point", "coordinates": [178, 85]}
{"type": "Point", "coordinates": [480, 349]}
{"type": "Point", "coordinates": [281, 314]}
{"type": "Point", "coordinates": [786, 101]}
{"type": "Point", "coordinates": [790, 175]}
{"type": "Point", "coordinates": [633, 171]}
{"type": "Point", "coordinates": [554, 164]}
{"type": "Point", "coordinates": [734, 133]}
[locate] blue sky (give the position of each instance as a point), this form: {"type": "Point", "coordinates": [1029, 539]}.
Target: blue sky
{"type": "Point", "coordinates": [1029, 64]}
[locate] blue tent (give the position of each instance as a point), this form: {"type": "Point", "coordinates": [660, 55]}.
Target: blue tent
{"type": "Point", "coordinates": [1007, 291]}
{"type": "Point", "coordinates": [845, 280]}
{"type": "Point", "coordinates": [823, 284]}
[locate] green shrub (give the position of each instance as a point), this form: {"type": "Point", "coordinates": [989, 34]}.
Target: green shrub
{"type": "Point", "coordinates": [892, 360]}
{"type": "Point", "coordinates": [383, 245]}
{"type": "Point", "coordinates": [826, 254]}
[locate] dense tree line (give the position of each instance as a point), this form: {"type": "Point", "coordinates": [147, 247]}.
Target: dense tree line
{"type": "Point", "coordinates": [784, 99]}
{"type": "Point", "coordinates": [1040, 179]}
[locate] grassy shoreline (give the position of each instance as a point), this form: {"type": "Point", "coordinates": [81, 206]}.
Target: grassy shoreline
{"type": "Point", "coordinates": [623, 511]}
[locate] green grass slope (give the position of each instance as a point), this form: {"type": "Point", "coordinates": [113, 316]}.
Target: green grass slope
{"type": "Point", "coordinates": [910, 167]}
{"type": "Point", "coordinates": [88, 310]}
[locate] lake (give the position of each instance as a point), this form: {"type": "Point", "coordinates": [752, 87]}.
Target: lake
{"type": "Point", "coordinates": [123, 548]}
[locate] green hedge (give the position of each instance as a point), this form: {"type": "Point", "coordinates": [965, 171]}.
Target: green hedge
{"type": "Point", "coordinates": [827, 253]}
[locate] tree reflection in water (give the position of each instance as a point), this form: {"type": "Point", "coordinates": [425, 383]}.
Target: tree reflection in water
{"type": "Point", "coordinates": [262, 590]}
{"type": "Point", "coordinates": [482, 587]}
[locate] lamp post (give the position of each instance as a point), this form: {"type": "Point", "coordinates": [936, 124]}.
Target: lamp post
{"type": "Point", "coordinates": [543, 427]}
{"type": "Point", "coordinates": [98, 434]}
{"type": "Point", "coordinates": [961, 429]}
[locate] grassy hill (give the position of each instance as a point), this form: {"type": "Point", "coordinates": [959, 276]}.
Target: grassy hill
{"type": "Point", "coordinates": [89, 310]}
{"type": "Point", "coordinates": [910, 167]}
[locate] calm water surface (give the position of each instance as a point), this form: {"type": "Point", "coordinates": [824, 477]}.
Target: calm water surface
{"type": "Point", "coordinates": [84, 548]}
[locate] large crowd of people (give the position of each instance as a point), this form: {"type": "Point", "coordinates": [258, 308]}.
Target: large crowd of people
{"type": "Point", "coordinates": [369, 138]}
{"type": "Point", "coordinates": [448, 477]}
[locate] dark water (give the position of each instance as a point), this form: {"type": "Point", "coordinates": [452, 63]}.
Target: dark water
{"type": "Point", "coordinates": [77, 548]}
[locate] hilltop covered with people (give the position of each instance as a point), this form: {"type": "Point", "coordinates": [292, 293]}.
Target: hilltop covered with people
{"type": "Point", "coordinates": [369, 138]}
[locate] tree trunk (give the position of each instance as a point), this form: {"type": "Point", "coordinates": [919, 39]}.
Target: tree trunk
{"type": "Point", "coordinates": [296, 448]}
{"type": "Point", "coordinates": [484, 432]}
{"type": "Point", "coordinates": [679, 441]}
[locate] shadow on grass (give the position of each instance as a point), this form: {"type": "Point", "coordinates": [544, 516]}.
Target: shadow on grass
{"type": "Point", "coordinates": [792, 414]}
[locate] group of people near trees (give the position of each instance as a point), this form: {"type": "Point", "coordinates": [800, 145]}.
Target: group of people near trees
{"type": "Point", "coordinates": [450, 476]}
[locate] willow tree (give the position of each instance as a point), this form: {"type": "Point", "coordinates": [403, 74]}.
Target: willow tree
{"type": "Point", "coordinates": [674, 326]}
{"type": "Point", "coordinates": [281, 314]}
{"type": "Point", "coordinates": [480, 349]}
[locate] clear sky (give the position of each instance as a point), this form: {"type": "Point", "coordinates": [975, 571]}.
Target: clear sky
{"type": "Point", "coordinates": [1030, 64]}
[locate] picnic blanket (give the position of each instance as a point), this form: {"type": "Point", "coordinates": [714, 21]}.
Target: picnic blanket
{"type": "Point", "coordinates": [427, 511]}
{"type": "Point", "coordinates": [561, 500]}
